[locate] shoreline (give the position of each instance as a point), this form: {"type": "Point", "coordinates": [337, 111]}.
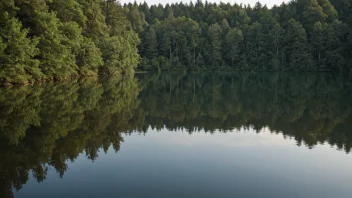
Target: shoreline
{"type": "Point", "coordinates": [46, 80]}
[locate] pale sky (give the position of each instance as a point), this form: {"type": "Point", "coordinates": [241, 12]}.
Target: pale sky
{"type": "Point", "coordinates": [269, 3]}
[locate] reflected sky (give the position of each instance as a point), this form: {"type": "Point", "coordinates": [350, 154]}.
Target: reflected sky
{"type": "Point", "coordinates": [178, 135]}
{"type": "Point", "coordinates": [176, 164]}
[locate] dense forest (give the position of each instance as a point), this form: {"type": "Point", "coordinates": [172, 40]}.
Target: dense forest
{"type": "Point", "coordinates": [59, 39]}
{"type": "Point", "coordinates": [46, 125]}
{"type": "Point", "coordinates": [305, 35]}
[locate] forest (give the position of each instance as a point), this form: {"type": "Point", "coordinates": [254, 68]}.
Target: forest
{"type": "Point", "coordinates": [302, 35]}
{"type": "Point", "coordinates": [59, 39]}
{"type": "Point", "coordinates": [45, 126]}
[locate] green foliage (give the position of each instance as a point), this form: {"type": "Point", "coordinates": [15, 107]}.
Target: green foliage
{"type": "Point", "coordinates": [85, 37]}
{"type": "Point", "coordinates": [136, 17]}
{"type": "Point", "coordinates": [172, 41]}
{"type": "Point", "coordinates": [151, 42]}
{"type": "Point", "coordinates": [120, 54]}
{"type": "Point", "coordinates": [17, 52]}
{"type": "Point", "coordinates": [297, 50]}
{"type": "Point", "coordinates": [233, 48]}
{"type": "Point", "coordinates": [68, 11]}
{"type": "Point", "coordinates": [255, 45]}
{"type": "Point", "coordinates": [59, 39]}
{"type": "Point", "coordinates": [271, 38]}
{"type": "Point", "coordinates": [96, 28]}
{"type": "Point", "coordinates": [214, 35]}
{"type": "Point", "coordinates": [55, 55]}
{"type": "Point", "coordinates": [89, 58]}
{"type": "Point", "coordinates": [329, 10]}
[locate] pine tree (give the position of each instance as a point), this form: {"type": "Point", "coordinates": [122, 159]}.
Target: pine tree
{"type": "Point", "coordinates": [277, 37]}
{"type": "Point", "coordinates": [152, 45]}
{"type": "Point", "coordinates": [317, 42]}
{"type": "Point", "coordinates": [95, 28]}
{"type": "Point", "coordinates": [310, 12]}
{"type": "Point", "coordinates": [136, 18]}
{"type": "Point", "coordinates": [233, 43]}
{"type": "Point", "coordinates": [296, 48]}
{"type": "Point", "coordinates": [329, 10]}
{"type": "Point", "coordinates": [255, 45]}
{"type": "Point", "coordinates": [332, 59]}
{"type": "Point", "coordinates": [214, 35]}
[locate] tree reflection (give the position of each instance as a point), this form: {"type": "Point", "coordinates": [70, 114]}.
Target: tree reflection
{"type": "Point", "coordinates": [312, 108]}
{"type": "Point", "coordinates": [46, 125]}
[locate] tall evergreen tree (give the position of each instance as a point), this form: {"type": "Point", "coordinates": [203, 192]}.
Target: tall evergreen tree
{"type": "Point", "coordinates": [296, 48]}
{"type": "Point", "coordinates": [84, 37]}
{"type": "Point", "coordinates": [214, 36]}
{"type": "Point", "coordinates": [233, 48]}
{"type": "Point", "coordinates": [255, 42]}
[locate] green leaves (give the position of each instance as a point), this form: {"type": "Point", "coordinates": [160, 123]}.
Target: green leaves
{"type": "Point", "coordinates": [89, 58]}
{"type": "Point", "coordinates": [233, 51]}
{"type": "Point", "coordinates": [70, 38]}
{"type": "Point", "coordinates": [281, 38]}
{"type": "Point", "coordinates": [60, 39]}
{"type": "Point", "coordinates": [171, 42]}
{"type": "Point", "coordinates": [17, 63]}
{"type": "Point", "coordinates": [297, 47]}
{"type": "Point", "coordinates": [214, 35]}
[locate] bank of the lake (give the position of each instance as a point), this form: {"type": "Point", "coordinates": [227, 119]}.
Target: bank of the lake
{"type": "Point", "coordinates": [62, 38]}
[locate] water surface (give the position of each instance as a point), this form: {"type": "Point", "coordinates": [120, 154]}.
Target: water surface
{"type": "Point", "coordinates": [178, 135]}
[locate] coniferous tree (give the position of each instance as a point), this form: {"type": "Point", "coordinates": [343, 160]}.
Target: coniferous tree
{"type": "Point", "coordinates": [255, 45]}
{"type": "Point", "coordinates": [317, 41]}
{"type": "Point", "coordinates": [214, 36]}
{"type": "Point", "coordinates": [277, 37]}
{"type": "Point", "coordinates": [151, 50]}
{"type": "Point", "coordinates": [265, 44]}
{"type": "Point", "coordinates": [233, 48]}
{"type": "Point", "coordinates": [85, 37]}
{"type": "Point", "coordinates": [296, 49]}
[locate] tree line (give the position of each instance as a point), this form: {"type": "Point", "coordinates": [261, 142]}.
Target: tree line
{"type": "Point", "coordinates": [46, 125]}
{"type": "Point", "coordinates": [303, 35]}
{"type": "Point", "coordinates": [59, 39]}
{"type": "Point", "coordinates": [311, 108]}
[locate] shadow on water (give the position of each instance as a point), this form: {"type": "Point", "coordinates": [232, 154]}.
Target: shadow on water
{"type": "Point", "coordinates": [46, 125]}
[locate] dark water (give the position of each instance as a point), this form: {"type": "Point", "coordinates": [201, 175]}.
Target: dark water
{"type": "Point", "coordinates": [179, 135]}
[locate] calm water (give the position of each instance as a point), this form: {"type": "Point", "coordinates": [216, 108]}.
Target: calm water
{"type": "Point", "coordinates": [179, 135]}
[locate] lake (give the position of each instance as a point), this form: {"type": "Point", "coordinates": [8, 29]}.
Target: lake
{"type": "Point", "coordinates": [193, 135]}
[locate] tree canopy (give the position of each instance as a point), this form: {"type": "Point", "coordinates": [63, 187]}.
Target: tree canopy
{"type": "Point", "coordinates": [302, 35]}
{"type": "Point", "coordinates": [59, 39]}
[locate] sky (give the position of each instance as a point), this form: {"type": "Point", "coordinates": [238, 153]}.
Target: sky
{"type": "Point", "coordinates": [269, 3]}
